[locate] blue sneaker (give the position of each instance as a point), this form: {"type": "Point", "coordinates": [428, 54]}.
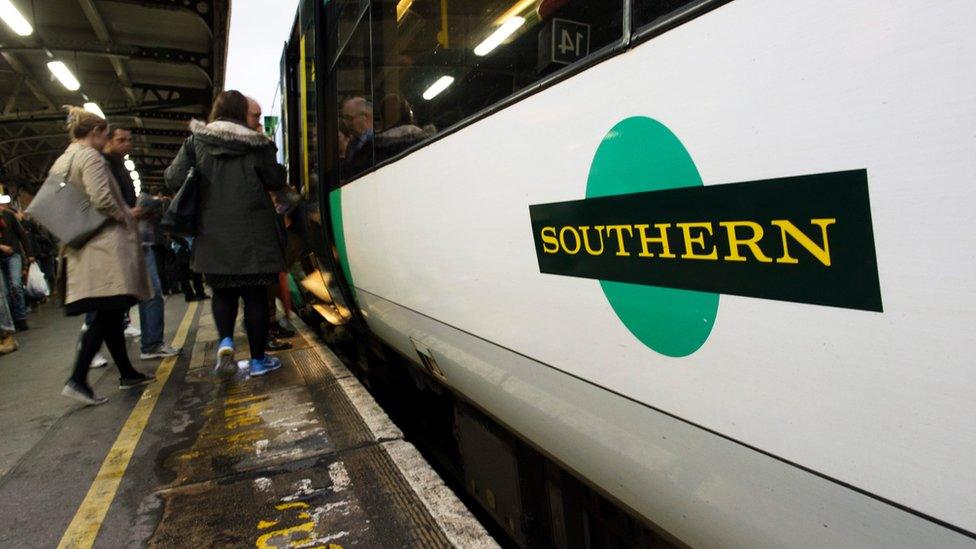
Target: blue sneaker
{"type": "Point", "coordinates": [226, 367]}
{"type": "Point", "coordinates": [265, 365]}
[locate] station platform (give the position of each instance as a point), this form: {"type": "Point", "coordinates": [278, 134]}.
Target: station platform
{"type": "Point", "coordinates": [301, 457]}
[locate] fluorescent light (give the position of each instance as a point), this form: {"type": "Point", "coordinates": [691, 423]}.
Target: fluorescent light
{"type": "Point", "coordinates": [13, 19]}
{"type": "Point", "coordinates": [134, 175]}
{"type": "Point", "coordinates": [517, 9]}
{"type": "Point", "coordinates": [60, 70]}
{"type": "Point", "coordinates": [93, 108]}
{"type": "Point", "coordinates": [499, 36]}
{"type": "Point", "coordinates": [130, 165]}
{"type": "Point", "coordinates": [402, 7]}
{"type": "Point", "coordinates": [437, 87]}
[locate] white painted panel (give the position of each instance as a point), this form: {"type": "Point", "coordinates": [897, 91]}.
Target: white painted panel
{"type": "Point", "coordinates": [755, 89]}
{"type": "Point", "coordinates": [705, 490]}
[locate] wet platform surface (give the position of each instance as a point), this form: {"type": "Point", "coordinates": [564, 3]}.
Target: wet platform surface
{"type": "Point", "coordinates": [301, 457]}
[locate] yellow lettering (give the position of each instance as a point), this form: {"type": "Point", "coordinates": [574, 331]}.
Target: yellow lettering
{"type": "Point", "coordinates": [621, 249]}
{"type": "Point", "coordinates": [549, 237]}
{"type": "Point", "coordinates": [586, 239]}
{"type": "Point", "coordinates": [662, 240]}
{"type": "Point", "coordinates": [562, 239]}
{"type": "Point", "coordinates": [752, 243]}
{"type": "Point", "coordinates": [822, 253]}
{"type": "Point", "coordinates": [690, 241]}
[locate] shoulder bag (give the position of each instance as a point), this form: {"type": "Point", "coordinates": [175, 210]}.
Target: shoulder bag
{"type": "Point", "coordinates": [181, 216]}
{"type": "Point", "coordinates": [66, 210]}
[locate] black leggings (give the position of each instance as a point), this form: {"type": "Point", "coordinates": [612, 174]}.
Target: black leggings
{"type": "Point", "coordinates": [107, 327]}
{"type": "Point", "coordinates": [255, 315]}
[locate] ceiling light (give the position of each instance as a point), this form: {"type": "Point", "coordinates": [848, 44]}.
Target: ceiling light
{"type": "Point", "coordinates": [13, 19]}
{"type": "Point", "coordinates": [93, 108]}
{"type": "Point", "coordinates": [499, 36]}
{"type": "Point", "coordinates": [60, 70]}
{"type": "Point", "coordinates": [437, 87]}
{"type": "Point", "coordinates": [134, 175]}
{"type": "Point", "coordinates": [126, 157]}
{"type": "Point", "coordinates": [402, 7]}
{"type": "Point", "coordinates": [519, 7]}
{"type": "Point", "coordinates": [130, 165]}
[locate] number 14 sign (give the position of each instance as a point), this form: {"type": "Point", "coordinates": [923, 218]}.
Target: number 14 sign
{"type": "Point", "coordinates": [570, 41]}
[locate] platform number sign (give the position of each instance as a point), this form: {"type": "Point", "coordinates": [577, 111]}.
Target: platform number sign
{"type": "Point", "coordinates": [570, 41]}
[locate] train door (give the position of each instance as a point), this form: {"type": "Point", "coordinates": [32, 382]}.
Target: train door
{"type": "Point", "coordinates": [326, 300]}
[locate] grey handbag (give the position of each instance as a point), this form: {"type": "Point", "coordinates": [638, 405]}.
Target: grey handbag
{"type": "Point", "coordinates": [66, 210]}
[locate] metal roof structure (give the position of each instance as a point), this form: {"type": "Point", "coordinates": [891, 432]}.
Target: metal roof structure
{"type": "Point", "coordinates": [151, 65]}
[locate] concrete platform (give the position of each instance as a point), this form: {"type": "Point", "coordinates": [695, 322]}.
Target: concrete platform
{"type": "Point", "coordinates": [301, 457]}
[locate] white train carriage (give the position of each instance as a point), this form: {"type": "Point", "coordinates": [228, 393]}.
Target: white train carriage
{"type": "Point", "coordinates": [708, 258]}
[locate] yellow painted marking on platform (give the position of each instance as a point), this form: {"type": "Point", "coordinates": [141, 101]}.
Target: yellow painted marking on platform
{"type": "Point", "coordinates": [299, 504]}
{"type": "Point", "coordinates": [264, 524]}
{"type": "Point", "coordinates": [88, 520]}
{"type": "Point", "coordinates": [306, 528]}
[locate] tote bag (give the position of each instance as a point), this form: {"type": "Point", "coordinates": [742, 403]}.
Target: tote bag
{"type": "Point", "coordinates": [66, 210]}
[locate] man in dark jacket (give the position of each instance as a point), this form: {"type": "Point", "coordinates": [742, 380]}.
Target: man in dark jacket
{"type": "Point", "coordinates": [16, 253]}
{"type": "Point", "coordinates": [118, 146]}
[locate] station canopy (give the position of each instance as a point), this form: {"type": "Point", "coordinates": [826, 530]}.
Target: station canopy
{"type": "Point", "coordinates": [148, 65]}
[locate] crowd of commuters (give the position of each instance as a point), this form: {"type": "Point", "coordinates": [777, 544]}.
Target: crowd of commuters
{"type": "Point", "coordinates": [238, 247]}
{"type": "Point", "coordinates": [23, 243]}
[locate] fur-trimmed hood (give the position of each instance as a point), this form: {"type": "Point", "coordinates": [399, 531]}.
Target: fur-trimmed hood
{"type": "Point", "coordinates": [228, 133]}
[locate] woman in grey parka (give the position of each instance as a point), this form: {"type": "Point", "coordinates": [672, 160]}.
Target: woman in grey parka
{"type": "Point", "coordinates": [237, 246]}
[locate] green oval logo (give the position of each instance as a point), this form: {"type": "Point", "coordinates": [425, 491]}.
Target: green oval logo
{"type": "Point", "coordinates": [640, 154]}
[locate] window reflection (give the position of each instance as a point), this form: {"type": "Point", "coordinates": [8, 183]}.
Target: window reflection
{"type": "Point", "coordinates": [414, 67]}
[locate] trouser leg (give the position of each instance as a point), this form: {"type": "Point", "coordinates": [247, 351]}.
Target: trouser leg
{"type": "Point", "coordinates": [185, 285]}
{"type": "Point", "coordinates": [6, 319]}
{"type": "Point", "coordinates": [256, 318]}
{"type": "Point", "coordinates": [224, 306]}
{"type": "Point", "coordinates": [272, 304]}
{"type": "Point", "coordinates": [112, 327]}
{"type": "Point", "coordinates": [151, 311]}
{"type": "Point", "coordinates": [14, 271]}
{"type": "Point", "coordinates": [196, 279]}
{"type": "Point", "coordinates": [91, 340]}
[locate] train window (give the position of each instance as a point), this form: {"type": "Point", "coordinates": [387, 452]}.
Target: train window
{"type": "Point", "coordinates": [649, 12]}
{"type": "Point", "coordinates": [436, 62]}
{"type": "Point", "coordinates": [355, 108]}
{"type": "Point", "coordinates": [349, 13]}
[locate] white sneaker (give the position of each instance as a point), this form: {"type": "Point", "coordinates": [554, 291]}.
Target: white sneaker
{"type": "Point", "coordinates": [99, 361]}
{"type": "Point", "coordinates": [162, 351]}
{"type": "Point", "coordinates": [132, 331]}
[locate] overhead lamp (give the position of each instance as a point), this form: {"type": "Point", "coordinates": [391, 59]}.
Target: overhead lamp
{"type": "Point", "coordinates": [12, 17]}
{"type": "Point", "coordinates": [93, 108]}
{"type": "Point", "coordinates": [500, 35]}
{"type": "Point", "coordinates": [126, 157]}
{"type": "Point", "coordinates": [437, 87]}
{"type": "Point", "coordinates": [517, 9]}
{"type": "Point", "coordinates": [134, 175]}
{"type": "Point", "coordinates": [62, 73]}
{"type": "Point", "coordinates": [130, 165]}
{"type": "Point", "coordinates": [402, 7]}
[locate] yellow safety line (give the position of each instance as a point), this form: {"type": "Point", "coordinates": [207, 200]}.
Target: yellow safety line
{"type": "Point", "coordinates": [88, 520]}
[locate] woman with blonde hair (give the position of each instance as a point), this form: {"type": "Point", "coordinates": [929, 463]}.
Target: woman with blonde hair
{"type": "Point", "coordinates": [107, 275]}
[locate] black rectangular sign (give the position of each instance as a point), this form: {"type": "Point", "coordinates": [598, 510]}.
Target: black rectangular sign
{"type": "Point", "coordinates": [805, 239]}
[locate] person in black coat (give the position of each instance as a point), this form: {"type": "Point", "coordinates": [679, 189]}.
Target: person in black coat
{"type": "Point", "coordinates": [237, 246]}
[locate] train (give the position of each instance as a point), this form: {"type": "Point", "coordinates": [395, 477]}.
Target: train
{"type": "Point", "coordinates": [682, 272]}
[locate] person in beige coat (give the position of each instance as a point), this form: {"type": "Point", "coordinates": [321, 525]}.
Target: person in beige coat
{"type": "Point", "coordinates": [107, 275]}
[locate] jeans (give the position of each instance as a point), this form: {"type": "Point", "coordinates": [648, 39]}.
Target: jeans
{"type": "Point", "coordinates": [151, 310]}
{"type": "Point", "coordinates": [13, 271]}
{"type": "Point", "coordinates": [6, 320]}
